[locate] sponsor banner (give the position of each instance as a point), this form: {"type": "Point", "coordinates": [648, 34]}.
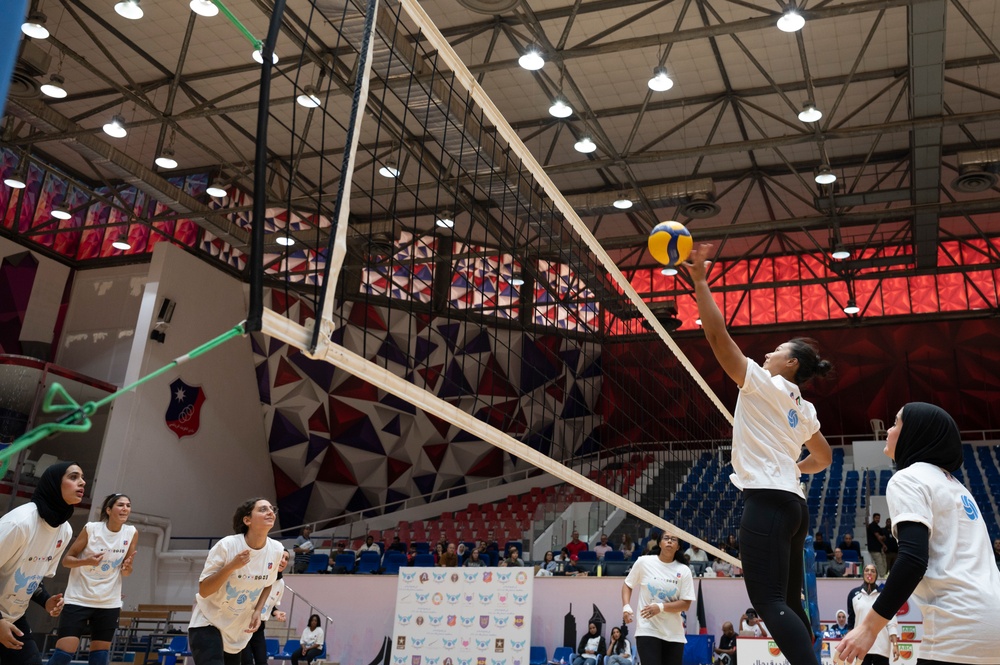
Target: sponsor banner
{"type": "Point", "coordinates": [462, 616]}
{"type": "Point", "coordinates": [765, 651]}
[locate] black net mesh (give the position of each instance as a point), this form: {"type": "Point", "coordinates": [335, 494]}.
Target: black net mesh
{"type": "Point", "coordinates": [462, 276]}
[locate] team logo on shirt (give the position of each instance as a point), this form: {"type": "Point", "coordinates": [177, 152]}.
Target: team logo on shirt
{"type": "Point", "coordinates": [793, 418]}
{"type": "Point", "coordinates": [59, 543]}
{"type": "Point", "coordinates": [970, 508]}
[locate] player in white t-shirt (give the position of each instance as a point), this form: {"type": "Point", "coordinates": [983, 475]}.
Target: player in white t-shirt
{"type": "Point", "coordinates": [859, 604]}
{"type": "Point", "coordinates": [98, 559]}
{"type": "Point", "coordinates": [770, 425]}
{"type": "Point", "coordinates": [255, 652]}
{"type": "Point", "coordinates": [666, 588]}
{"type": "Point", "coordinates": [33, 538]}
{"type": "Point", "coordinates": [945, 559]}
{"type": "Point", "coordinates": [234, 586]}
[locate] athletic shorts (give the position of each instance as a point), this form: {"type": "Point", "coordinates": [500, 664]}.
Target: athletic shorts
{"type": "Point", "coordinates": [100, 623]}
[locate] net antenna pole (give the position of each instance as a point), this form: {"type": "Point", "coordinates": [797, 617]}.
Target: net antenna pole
{"type": "Point", "coordinates": [448, 55]}
{"type": "Point", "coordinates": [256, 309]}
{"type": "Point", "coordinates": [336, 249]}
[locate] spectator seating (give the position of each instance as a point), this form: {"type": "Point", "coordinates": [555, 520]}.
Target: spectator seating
{"type": "Point", "coordinates": [369, 562]}
{"type": "Point", "coordinates": [563, 655]}
{"type": "Point", "coordinates": [344, 563]}
{"type": "Point", "coordinates": [538, 656]}
{"type": "Point", "coordinates": [318, 563]}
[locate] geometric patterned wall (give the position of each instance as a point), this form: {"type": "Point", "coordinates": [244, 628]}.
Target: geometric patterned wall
{"type": "Point", "coordinates": [338, 444]}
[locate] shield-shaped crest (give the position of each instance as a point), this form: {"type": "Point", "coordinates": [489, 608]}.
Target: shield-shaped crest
{"type": "Point", "coordinates": [416, 660]}
{"type": "Point", "coordinates": [484, 620]}
{"type": "Point", "coordinates": [184, 411]}
{"type": "Point", "coordinates": [519, 620]}
{"type": "Point", "coordinates": [451, 619]}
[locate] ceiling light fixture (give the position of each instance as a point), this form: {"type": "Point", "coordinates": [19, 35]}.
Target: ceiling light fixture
{"type": "Point", "coordinates": [791, 21]}
{"type": "Point", "coordinates": [585, 145]}
{"type": "Point", "coordinates": [532, 59]}
{"type": "Point", "coordinates": [840, 252]}
{"type": "Point", "coordinates": [129, 9]}
{"type": "Point", "coordinates": [34, 26]}
{"type": "Point", "coordinates": [166, 159]}
{"type": "Point", "coordinates": [516, 281]}
{"type": "Point", "coordinates": [668, 271]}
{"type": "Point", "coordinates": [623, 202]}
{"type": "Point", "coordinates": [122, 243]}
{"type": "Point", "coordinates": [851, 307]}
{"type": "Point", "coordinates": [217, 189]}
{"type": "Point", "coordinates": [286, 241]}
{"type": "Point", "coordinates": [389, 170]}
{"type": "Point", "coordinates": [810, 113]}
{"type": "Point", "coordinates": [205, 8]}
{"type": "Point", "coordinates": [446, 220]}
{"type": "Point", "coordinates": [560, 108]}
{"type": "Point", "coordinates": [259, 57]}
{"type": "Point", "coordinates": [308, 98]}
{"type": "Point", "coordinates": [116, 127]}
{"type": "Point", "coordinates": [661, 81]}
{"type": "Point", "coordinates": [18, 179]}
{"type": "Point", "coordinates": [54, 88]}
{"type": "Point", "coordinates": [61, 211]}
{"type": "Point", "coordinates": [825, 176]}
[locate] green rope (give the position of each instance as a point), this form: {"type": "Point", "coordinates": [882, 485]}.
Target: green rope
{"type": "Point", "coordinates": [77, 416]}
{"type": "Point", "coordinates": [239, 26]}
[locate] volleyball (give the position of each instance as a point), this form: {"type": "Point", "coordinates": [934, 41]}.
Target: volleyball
{"type": "Point", "coordinates": [670, 243]}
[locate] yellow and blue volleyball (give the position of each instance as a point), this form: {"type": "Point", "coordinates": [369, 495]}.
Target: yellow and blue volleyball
{"type": "Point", "coordinates": [670, 243]}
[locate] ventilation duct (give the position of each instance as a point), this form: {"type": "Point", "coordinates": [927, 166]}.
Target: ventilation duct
{"type": "Point", "coordinates": [978, 170]}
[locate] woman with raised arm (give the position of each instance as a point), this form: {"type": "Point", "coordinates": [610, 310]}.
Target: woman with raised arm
{"type": "Point", "coordinates": [771, 424]}
{"type": "Point", "coordinates": [98, 560]}
{"type": "Point", "coordinates": [33, 538]}
{"type": "Point", "coordinates": [234, 586]}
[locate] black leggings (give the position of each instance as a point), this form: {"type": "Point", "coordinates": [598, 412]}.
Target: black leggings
{"type": "Point", "coordinates": [255, 652]}
{"type": "Point", "coordinates": [654, 651]}
{"type": "Point", "coordinates": [875, 659]}
{"type": "Point", "coordinates": [27, 654]}
{"type": "Point", "coordinates": [206, 647]}
{"type": "Point", "coordinates": [310, 654]}
{"type": "Point", "coordinates": [772, 536]}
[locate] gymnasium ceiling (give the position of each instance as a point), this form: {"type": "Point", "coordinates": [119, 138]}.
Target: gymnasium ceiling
{"type": "Point", "coordinates": [909, 91]}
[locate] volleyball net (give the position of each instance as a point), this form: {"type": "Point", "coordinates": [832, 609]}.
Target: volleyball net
{"type": "Point", "coordinates": [413, 242]}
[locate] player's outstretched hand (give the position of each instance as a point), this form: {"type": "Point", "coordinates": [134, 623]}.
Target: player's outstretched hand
{"type": "Point", "coordinates": [698, 262]}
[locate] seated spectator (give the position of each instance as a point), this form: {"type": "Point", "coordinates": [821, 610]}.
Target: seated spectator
{"type": "Point", "coordinates": [449, 558]}
{"type": "Point", "coordinates": [513, 558]}
{"type": "Point", "coordinates": [438, 553]}
{"type": "Point", "coordinates": [837, 567]}
{"type": "Point", "coordinates": [303, 550]}
{"type": "Point", "coordinates": [475, 560]}
{"type": "Point", "coordinates": [627, 546]}
{"type": "Point", "coordinates": [549, 564]}
{"type": "Point", "coordinates": [732, 547]}
{"type": "Point", "coordinates": [411, 555]}
{"type": "Point", "coordinates": [695, 553]}
{"type": "Point", "coordinates": [619, 651]}
{"type": "Point", "coordinates": [848, 543]}
{"type": "Point", "coordinates": [751, 625]}
{"type": "Point", "coordinates": [840, 628]}
{"type": "Point", "coordinates": [820, 545]}
{"type": "Point", "coordinates": [725, 653]}
{"type": "Point", "coordinates": [603, 547]}
{"type": "Point", "coordinates": [481, 546]}
{"type": "Point", "coordinates": [340, 548]}
{"type": "Point", "coordinates": [491, 543]}
{"type": "Point", "coordinates": [563, 556]}
{"type": "Point", "coordinates": [591, 644]}
{"type": "Point", "coordinates": [311, 642]}
{"type": "Point", "coordinates": [462, 552]}
{"type": "Point", "coordinates": [396, 545]}
{"type": "Point", "coordinates": [720, 568]}
{"type": "Point", "coordinates": [369, 546]}
{"type": "Point", "coordinates": [575, 545]}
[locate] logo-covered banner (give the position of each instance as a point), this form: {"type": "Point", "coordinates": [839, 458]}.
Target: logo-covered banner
{"type": "Point", "coordinates": [184, 411]}
{"type": "Point", "coordinates": [463, 616]}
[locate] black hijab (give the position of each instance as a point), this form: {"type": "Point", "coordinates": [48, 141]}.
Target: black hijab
{"type": "Point", "coordinates": [48, 495]}
{"type": "Point", "coordinates": [929, 435]}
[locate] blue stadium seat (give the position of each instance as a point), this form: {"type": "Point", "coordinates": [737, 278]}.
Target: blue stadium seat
{"type": "Point", "coordinates": [587, 555]}
{"type": "Point", "coordinates": [615, 555]}
{"type": "Point", "coordinates": [273, 646]}
{"type": "Point", "coordinates": [423, 561]}
{"type": "Point", "coordinates": [538, 656]}
{"type": "Point", "coordinates": [562, 655]}
{"type": "Point", "coordinates": [393, 562]}
{"type": "Point", "coordinates": [318, 563]}
{"type": "Point", "coordinates": [369, 563]}
{"type": "Point", "coordinates": [344, 563]}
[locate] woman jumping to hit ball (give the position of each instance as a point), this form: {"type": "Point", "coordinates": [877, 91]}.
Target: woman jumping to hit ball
{"type": "Point", "coordinates": [98, 559]}
{"type": "Point", "coordinates": [771, 424]}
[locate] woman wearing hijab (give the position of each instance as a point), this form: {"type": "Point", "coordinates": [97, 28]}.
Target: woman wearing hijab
{"type": "Point", "coordinates": [945, 560]}
{"type": "Point", "coordinates": [839, 629]}
{"type": "Point", "coordinates": [859, 604]}
{"type": "Point", "coordinates": [33, 538]}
